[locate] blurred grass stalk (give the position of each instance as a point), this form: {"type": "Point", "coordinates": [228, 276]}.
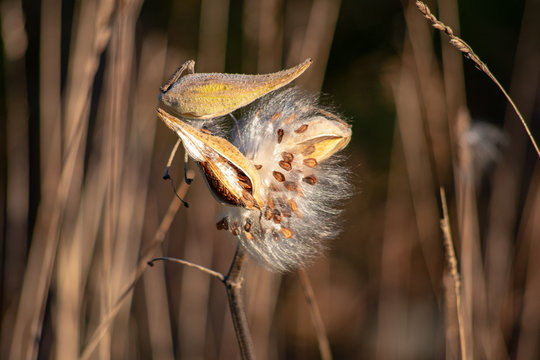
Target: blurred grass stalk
{"type": "Point", "coordinates": [60, 190]}
{"type": "Point", "coordinates": [16, 198]}
{"type": "Point", "coordinates": [70, 217]}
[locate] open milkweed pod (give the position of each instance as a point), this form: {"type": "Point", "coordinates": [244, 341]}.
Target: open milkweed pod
{"type": "Point", "coordinates": [211, 95]}
{"type": "Point", "coordinates": [292, 143]}
{"type": "Point", "coordinates": [232, 178]}
{"type": "Point", "coordinates": [319, 138]}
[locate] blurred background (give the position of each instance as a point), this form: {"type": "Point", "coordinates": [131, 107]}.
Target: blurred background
{"type": "Point", "coordinates": [83, 205]}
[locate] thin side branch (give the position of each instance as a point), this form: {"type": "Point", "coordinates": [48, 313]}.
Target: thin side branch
{"type": "Point", "coordinates": [452, 263]}
{"type": "Point", "coordinates": [462, 46]}
{"type": "Point", "coordinates": [316, 318]}
{"type": "Point", "coordinates": [233, 282]}
{"type": "Point", "coordinates": [211, 272]}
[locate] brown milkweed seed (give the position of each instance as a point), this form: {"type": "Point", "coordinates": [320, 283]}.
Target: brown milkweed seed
{"type": "Point", "coordinates": [293, 205]}
{"type": "Point", "coordinates": [280, 134]}
{"type": "Point", "coordinates": [258, 167]}
{"type": "Point", "coordinates": [275, 116]}
{"type": "Point", "coordinates": [223, 224]}
{"type": "Point", "coordinates": [285, 165]}
{"type": "Point", "coordinates": [311, 179]}
{"type": "Point", "coordinates": [310, 162]}
{"type": "Point", "coordinates": [291, 186]}
{"type": "Point", "coordinates": [247, 199]}
{"type": "Point", "coordinates": [286, 232]}
{"type": "Point", "coordinates": [234, 229]}
{"type": "Point", "coordinates": [301, 129]}
{"type": "Point", "coordinates": [242, 177]}
{"type": "Point", "coordinates": [287, 156]}
{"type": "Point", "coordinates": [277, 216]}
{"type": "Point", "coordinates": [308, 150]}
{"type": "Point", "coordinates": [278, 176]}
{"type": "Point", "coordinates": [270, 202]}
{"type": "Point", "coordinates": [268, 214]}
{"type": "Point", "coordinates": [244, 185]}
{"type": "Point", "coordinates": [294, 208]}
{"type": "Point", "coordinates": [247, 226]}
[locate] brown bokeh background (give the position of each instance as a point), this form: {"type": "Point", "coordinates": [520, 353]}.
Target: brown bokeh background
{"type": "Point", "coordinates": [83, 205]}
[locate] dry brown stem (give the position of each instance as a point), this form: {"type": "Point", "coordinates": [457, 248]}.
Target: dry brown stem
{"type": "Point", "coordinates": [146, 254]}
{"type": "Point", "coordinates": [233, 282]}
{"type": "Point", "coordinates": [316, 318]}
{"type": "Point", "coordinates": [452, 263]}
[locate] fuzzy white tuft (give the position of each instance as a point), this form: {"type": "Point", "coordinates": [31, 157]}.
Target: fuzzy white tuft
{"type": "Point", "coordinates": [302, 196]}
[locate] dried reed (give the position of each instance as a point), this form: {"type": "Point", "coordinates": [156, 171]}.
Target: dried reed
{"type": "Point", "coordinates": [453, 268]}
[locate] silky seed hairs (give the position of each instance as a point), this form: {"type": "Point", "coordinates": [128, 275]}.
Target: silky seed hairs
{"type": "Point", "coordinates": [291, 141]}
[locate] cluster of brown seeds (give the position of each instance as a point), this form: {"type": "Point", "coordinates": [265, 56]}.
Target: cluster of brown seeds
{"type": "Point", "coordinates": [277, 207]}
{"type": "Point", "coordinates": [217, 186]}
{"type": "Point", "coordinates": [223, 193]}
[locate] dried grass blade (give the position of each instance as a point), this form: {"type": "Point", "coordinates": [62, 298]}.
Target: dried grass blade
{"type": "Point", "coordinates": [316, 318]}
{"type": "Point", "coordinates": [454, 272]}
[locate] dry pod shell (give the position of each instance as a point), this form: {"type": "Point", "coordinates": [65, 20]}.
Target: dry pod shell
{"type": "Point", "coordinates": [211, 95]}
{"type": "Point", "coordinates": [232, 178]}
{"type": "Point", "coordinates": [322, 138]}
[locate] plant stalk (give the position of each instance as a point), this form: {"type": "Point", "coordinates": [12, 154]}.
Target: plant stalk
{"type": "Point", "coordinates": [233, 283]}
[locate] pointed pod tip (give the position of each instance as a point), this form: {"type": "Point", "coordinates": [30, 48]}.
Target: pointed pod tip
{"type": "Point", "coordinates": [161, 113]}
{"type": "Point", "coordinates": [305, 64]}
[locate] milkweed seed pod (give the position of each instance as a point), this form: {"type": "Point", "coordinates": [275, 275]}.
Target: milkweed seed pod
{"type": "Point", "coordinates": [291, 142]}
{"type": "Point", "coordinates": [211, 95]}
{"type": "Point", "coordinates": [232, 178]}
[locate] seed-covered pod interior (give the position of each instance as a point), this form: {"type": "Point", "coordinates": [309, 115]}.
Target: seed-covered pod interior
{"type": "Point", "coordinates": [291, 142]}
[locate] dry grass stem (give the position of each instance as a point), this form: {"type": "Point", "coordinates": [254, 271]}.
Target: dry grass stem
{"type": "Point", "coordinates": [419, 55]}
{"type": "Point", "coordinates": [262, 297]}
{"type": "Point", "coordinates": [452, 263]}
{"type": "Point", "coordinates": [318, 38]}
{"type": "Point", "coordinates": [57, 201]}
{"type": "Point", "coordinates": [316, 318]}
{"type": "Point", "coordinates": [530, 234]}
{"type": "Point", "coordinates": [146, 254]}
{"type": "Point", "coordinates": [462, 46]}
{"type": "Point", "coordinates": [213, 35]}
